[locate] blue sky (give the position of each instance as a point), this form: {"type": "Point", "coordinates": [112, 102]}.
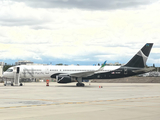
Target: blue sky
{"type": "Point", "coordinates": [82, 32]}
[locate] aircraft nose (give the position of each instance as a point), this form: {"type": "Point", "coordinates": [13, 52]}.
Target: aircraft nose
{"type": "Point", "coordinates": [3, 75]}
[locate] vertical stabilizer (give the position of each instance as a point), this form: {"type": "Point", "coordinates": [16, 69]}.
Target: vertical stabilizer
{"type": "Point", "coordinates": [140, 59]}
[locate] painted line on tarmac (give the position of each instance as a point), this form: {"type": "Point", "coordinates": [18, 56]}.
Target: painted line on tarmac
{"type": "Point", "coordinates": [86, 102]}
{"type": "Point", "coordinates": [30, 99]}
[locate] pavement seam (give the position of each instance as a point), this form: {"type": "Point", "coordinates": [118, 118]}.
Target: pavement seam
{"type": "Point", "coordinates": [86, 102]}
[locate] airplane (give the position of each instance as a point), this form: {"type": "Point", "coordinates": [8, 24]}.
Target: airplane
{"type": "Point", "coordinates": [67, 74]}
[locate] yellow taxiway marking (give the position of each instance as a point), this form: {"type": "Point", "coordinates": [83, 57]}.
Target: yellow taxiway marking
{"type": "Point", "coordinates": [85, 102]}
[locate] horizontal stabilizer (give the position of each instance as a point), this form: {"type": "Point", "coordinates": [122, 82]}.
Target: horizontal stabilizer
{"type": "Point", "coordinates": [145, 70]}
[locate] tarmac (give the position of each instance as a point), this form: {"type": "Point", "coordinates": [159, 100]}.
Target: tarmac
{"type": "Point", "coordinates": [95, 101]}
{"type": "Point", "coordinates": [133, 79]}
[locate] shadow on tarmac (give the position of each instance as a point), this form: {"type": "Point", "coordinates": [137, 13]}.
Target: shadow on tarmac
{"type": "Point", "coordinates": [73, 86]}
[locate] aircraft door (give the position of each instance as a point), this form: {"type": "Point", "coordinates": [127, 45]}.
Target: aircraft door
{"type": "Point", "coordinates": [16, 72]}
{"type": "Point", "coordinates": [47, 71]}
{"type": "Point", "coordinates": [18, 69]}
{"type": "Point", "coordinates": [125, 71]}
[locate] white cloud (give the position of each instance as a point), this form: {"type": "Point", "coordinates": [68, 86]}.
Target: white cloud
{"type": "Point", "coordinates": [27, 32]}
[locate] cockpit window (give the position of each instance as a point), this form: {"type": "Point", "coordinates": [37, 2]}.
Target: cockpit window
{"type": "Point", "coordinates": [9, 70]}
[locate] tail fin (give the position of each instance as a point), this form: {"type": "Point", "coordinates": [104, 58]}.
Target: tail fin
{"type": "Point", "coordinates": [139, 60]}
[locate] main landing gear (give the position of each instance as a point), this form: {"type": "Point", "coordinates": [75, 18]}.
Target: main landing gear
{"type": "Point", "coordinates": [21, 84]}
{"type": "Point", "coordinates": [80, 85]}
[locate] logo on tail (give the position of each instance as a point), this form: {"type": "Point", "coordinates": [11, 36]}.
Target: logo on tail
{"type": "Point", "coordinates": [140, 59]}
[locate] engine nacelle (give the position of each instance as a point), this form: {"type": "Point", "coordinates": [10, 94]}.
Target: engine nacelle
{"type": "Point", "coordinates": [63, 79]}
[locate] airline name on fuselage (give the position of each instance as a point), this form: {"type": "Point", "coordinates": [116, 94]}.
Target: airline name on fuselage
{"type": "Point", "coordinates": [36, 73]}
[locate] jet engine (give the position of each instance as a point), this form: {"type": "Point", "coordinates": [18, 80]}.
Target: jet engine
{"type": "Point", "coordinates": [64, 79]}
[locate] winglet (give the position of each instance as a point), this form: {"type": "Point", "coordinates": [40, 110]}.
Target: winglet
{"type": "Point", "coordinates": [102, 66]}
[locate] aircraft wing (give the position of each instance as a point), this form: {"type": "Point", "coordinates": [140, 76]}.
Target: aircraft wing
{"type": "Point", "coordinates": [82, 74]}
{"type": "Point", "coordinates": [87, 73]}
{"type": "Point", "coordinates": [79, 74]}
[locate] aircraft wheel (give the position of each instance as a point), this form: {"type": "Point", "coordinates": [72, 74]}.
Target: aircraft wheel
{"type": "Point", "coordinates": [12, 84]}
{"type": "Point", "coordinates": [80, 85]}
{"type": "Point", "coordinates": [4, 84]}
{"type": "Point", "coordinates": [21, 84]}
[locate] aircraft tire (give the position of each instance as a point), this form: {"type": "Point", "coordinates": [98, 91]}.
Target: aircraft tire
{"type": "Point", "coordinates": [77, 84]}
{"type": "Point", "coordinates": [80, 85]}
